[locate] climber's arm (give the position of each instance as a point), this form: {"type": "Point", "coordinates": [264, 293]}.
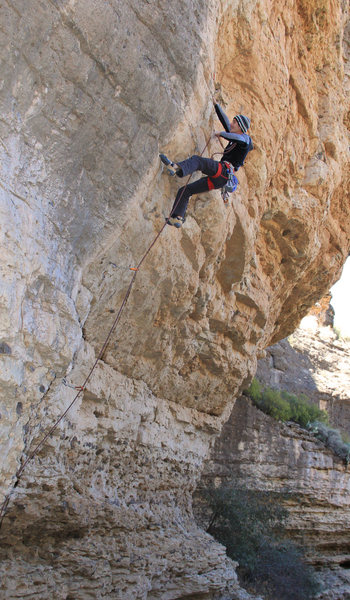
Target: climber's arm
{"type": "Point", "coordinates": [242, 138]}
{"type": "Point", "coordinates": [223, 118]}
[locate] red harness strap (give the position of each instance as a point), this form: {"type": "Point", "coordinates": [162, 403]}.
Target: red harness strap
{"type": "Point", "coordinates": [217, 174]}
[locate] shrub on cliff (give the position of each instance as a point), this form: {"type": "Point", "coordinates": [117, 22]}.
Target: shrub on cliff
{"type": "Point", "coordinates": [283, 406]}
{"type": "Point", "coordinates": [246, 521]}
{"type": "Point", "coordinates": [333, 439]}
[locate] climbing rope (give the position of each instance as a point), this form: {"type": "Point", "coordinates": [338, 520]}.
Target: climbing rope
{"type": "Point", "coordinates": [80, 389]}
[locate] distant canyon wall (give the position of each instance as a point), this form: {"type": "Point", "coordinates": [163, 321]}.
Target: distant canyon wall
{"type": "Point", "coordinates": [268, 455]}
{"type": "Point", "coordinates": [313, 361]}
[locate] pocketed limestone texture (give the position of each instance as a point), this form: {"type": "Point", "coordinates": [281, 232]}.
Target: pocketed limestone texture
{"type": "Point", "coordinates": [91, 92]}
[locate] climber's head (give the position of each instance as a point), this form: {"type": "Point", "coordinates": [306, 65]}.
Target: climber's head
{"type": "Point", "coordinates": [240, 124]}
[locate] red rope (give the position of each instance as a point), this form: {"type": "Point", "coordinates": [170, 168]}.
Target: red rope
{"type": "Point", "coordinates": [135, 270]}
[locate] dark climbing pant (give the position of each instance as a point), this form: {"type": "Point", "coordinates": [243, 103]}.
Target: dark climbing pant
{"type": "Point", "coordinates": [209, 167]}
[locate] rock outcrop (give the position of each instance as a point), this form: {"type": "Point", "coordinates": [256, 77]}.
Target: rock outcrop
{"type": "Point", "coordinates": [268, 455]}
{"type": "Point", "coordinates": [313, 361]}
{"type": "Point", "coordinates": [285, 458]}
{"type": "Point", "coordinates": [91, 92]}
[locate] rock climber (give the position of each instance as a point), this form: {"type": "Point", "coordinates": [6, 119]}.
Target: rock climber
{"type": "Point", "coordinates": [218, 174]}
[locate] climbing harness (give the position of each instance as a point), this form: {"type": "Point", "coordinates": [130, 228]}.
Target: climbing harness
{"type": "Point", "coordinates": [218, 173]}
{"type": "Point", "coordinates": [232, 180]}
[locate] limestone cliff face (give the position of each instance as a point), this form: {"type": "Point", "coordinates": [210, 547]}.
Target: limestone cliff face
{"type": "Point", "coordinates": [268, 455]}
{"type": "Point", "coordinates": [315, 362]}
{"type": "Point", "coordinates": [261, 453]}
{"type": "Point", "coordinates": [91, 92]}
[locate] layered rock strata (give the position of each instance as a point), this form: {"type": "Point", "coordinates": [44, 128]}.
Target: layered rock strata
{"type": "Point", "coordinates": [313, 361]}
{"type": "Point", "coordinates": [91, 92]}
{"type": "Point", "coordinates": [107, 503]}
{"type": "Point", "coordinates": [265, 454]}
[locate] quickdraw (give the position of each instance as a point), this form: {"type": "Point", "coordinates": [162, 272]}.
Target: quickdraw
{"type": "Point", "coordinates": [73, 387]}
{"type": "Point", "coordinates": [231, 185]}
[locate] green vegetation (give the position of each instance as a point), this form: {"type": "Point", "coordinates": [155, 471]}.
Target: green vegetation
{"type": "Point", "coordinates": [340, 335]}
{"type": "Point", "coordinates": [246, 522]}
{"type": "Point", "coordinates": [333, 439]}
{"type": "Point", "coordinates": [284, 406]}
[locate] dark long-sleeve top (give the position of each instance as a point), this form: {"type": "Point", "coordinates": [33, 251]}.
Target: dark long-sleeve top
{"type": "Point", "coordinates": [239, 143]}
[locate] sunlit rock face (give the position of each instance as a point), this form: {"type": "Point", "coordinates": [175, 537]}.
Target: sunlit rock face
{"type": "Point", "coordinates": [92, 91]}
{"type": "Point", "coordinates": [313, 361]}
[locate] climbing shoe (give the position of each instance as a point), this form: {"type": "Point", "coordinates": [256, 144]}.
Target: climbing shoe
{"type": "Point", "coordinates": [168, 163]}
{"type": "Point", "coordinates": [175, 221]}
